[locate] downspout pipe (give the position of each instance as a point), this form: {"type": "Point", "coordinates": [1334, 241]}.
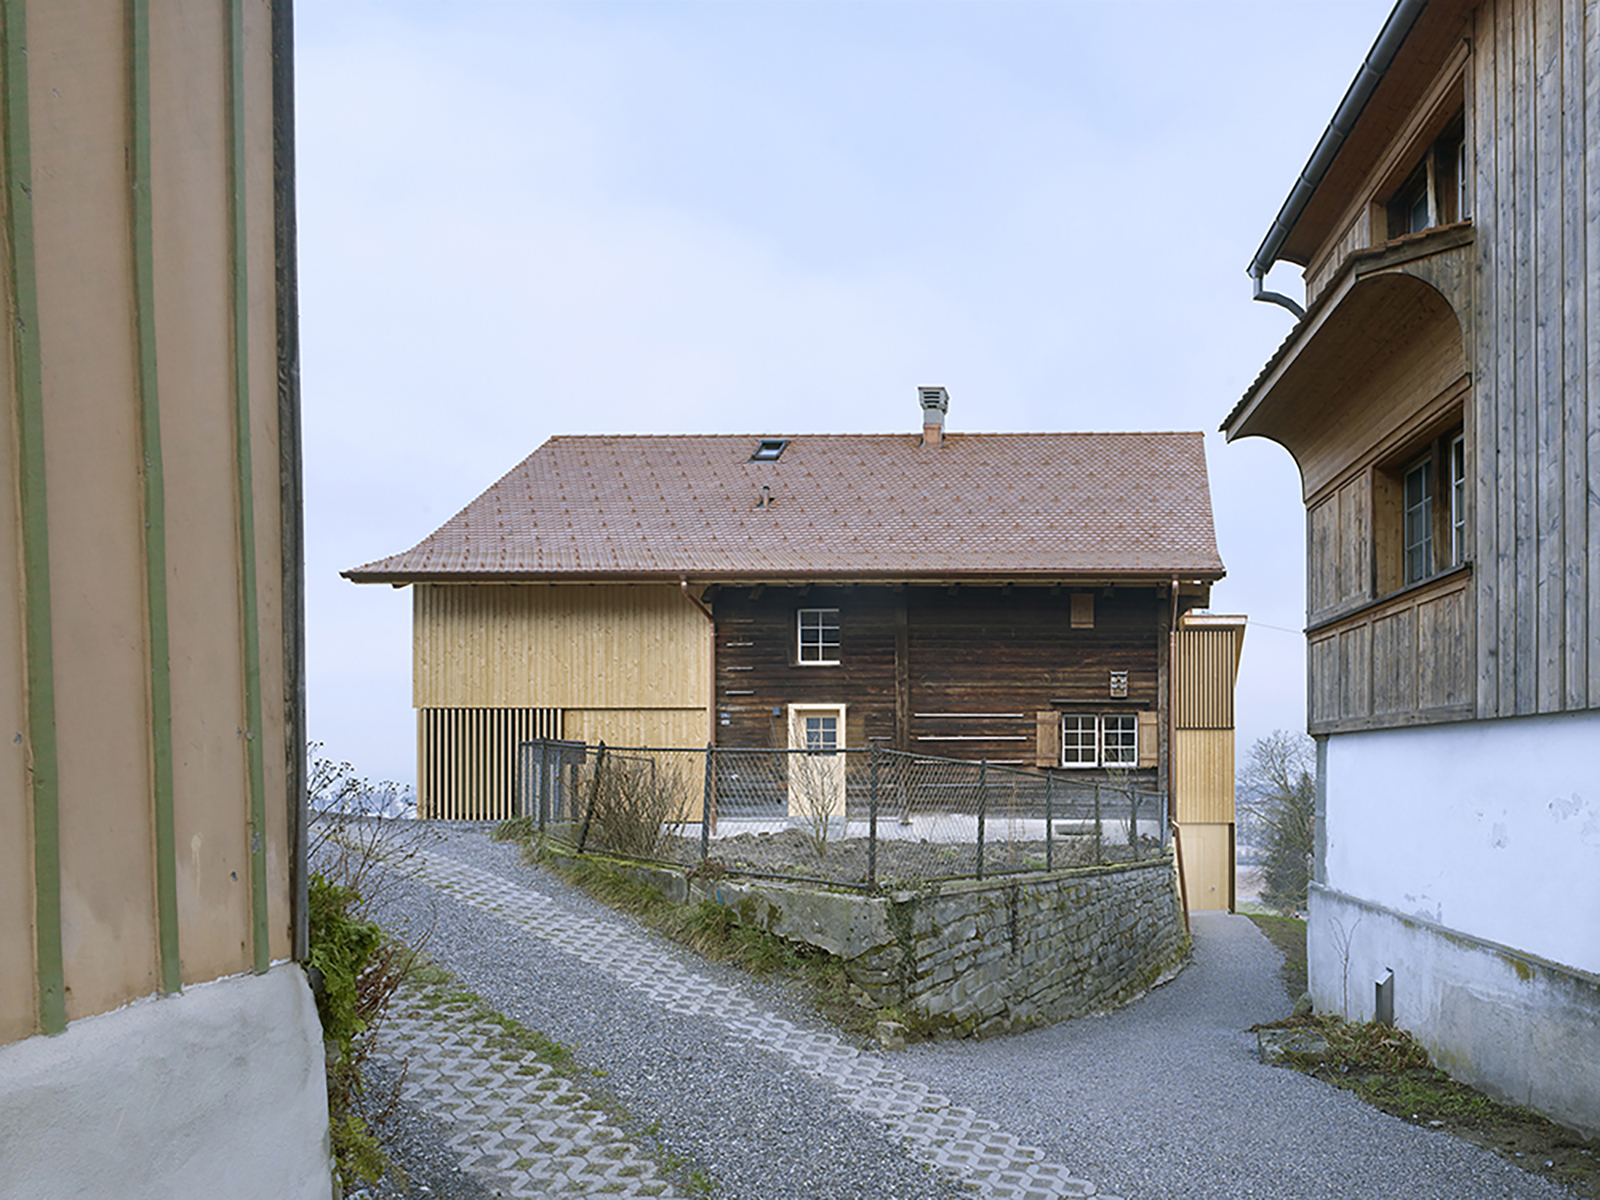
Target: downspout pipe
{"type": "Point", "coordinates": [1372, 71]}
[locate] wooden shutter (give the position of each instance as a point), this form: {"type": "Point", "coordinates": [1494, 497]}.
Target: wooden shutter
{"type": "Point", "coordinates": [1082, 610]}
{"type": "Point", "coordinates": [1048, 751]}
{"type": "Point", "coordinates": [1149, 746]}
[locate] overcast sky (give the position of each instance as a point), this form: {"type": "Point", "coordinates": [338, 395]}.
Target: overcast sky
{"type": "Point", "coordinates": [525, 219]}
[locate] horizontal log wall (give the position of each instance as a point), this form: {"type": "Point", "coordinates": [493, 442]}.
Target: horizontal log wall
{"type": "Point", "coordinates": [978, 664]}
{"type": "Point", "coordinates": [1534, 122]}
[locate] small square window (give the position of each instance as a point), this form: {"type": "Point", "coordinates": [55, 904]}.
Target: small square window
{"type": "Point", "coordinates": [1080, 741]}
{"type": "Point", "coordinates": [819, 636]}
{"type": "Point", "coordinates": [822, 734]}
{"type": "Point", "coordinates": [1119, 740]}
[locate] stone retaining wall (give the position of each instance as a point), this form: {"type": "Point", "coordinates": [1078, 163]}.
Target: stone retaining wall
{"type": "Point", "coordinates": [983, 957]}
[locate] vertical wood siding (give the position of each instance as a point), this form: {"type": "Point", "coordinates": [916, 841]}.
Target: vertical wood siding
{"type": "Point", "coordinates": [1535, 125]}
{"type": "Point", "coordinates": [136, 247]}
{"type": "Point", "coordinates": [466, 759]}
{"type": "Point", "coordinates": [558, 646]}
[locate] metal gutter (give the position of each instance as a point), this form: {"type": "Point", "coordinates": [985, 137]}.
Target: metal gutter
{"type": "Point", "coordinates": [250, 609]}
{"type": "Point", "coordinates": [155, 504]}
{"type": "Point", "coordinates": [291, 529]}
{"type": "Point", "coordinates": [44, 779]}
{"type": "Point", "coordinates": [1344, 120]}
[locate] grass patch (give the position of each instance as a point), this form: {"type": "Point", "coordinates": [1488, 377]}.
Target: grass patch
{"type": "Point", "coordinates": [1288, 934]}
{"type": "Point", "coordinates": [1389, 1070]}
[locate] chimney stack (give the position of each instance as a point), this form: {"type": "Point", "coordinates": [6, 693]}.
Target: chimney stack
{"type": "Point", "coordinates": [935, 403]}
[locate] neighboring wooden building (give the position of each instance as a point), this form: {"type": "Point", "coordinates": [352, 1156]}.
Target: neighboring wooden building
{"type": "Point", "coordinates": [157, 1037]}
{"type": "Point", "coordinates": [1008, 597]}
{"type": "Point", "coordinates": [1441, 394]}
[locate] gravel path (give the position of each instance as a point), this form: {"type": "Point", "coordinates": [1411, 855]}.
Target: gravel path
{"type": "Point", "coordinates": [1162, 1099]}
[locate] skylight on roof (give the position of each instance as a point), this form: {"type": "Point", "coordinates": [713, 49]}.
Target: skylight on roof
{"type": "Point", "coordinates": [769, 449]}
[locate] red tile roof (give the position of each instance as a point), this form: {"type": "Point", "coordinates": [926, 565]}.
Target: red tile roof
{"type": "Point", "coordinates": [843, 506]}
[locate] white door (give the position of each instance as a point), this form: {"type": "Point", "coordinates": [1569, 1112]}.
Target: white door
{"type": "Point", "coordinates": [816, 776]}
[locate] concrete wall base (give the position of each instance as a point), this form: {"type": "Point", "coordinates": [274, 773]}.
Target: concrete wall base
{"type": "Point", "coordinates": [1516, 1026]}
{"type": "Point", "coordinates": [219, 1091]}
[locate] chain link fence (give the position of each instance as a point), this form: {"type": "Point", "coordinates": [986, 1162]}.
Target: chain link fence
{"type": "Point", "coordinates": [869, 818]}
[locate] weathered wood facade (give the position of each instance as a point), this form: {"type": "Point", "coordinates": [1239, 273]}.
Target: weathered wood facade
{"type": "Point", "coordinates": [1441, 394]}
{"type": "Point", "coordinates": [1482, 325]}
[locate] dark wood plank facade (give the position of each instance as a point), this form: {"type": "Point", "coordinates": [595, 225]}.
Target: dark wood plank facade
{"type": "Point", "coordinates": [961, 672]}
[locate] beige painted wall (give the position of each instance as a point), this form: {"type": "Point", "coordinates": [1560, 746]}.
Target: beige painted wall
{"type": "Point", "coordinates": [569, 646]}
{"type": "Point", "coordinates": [79, 88]}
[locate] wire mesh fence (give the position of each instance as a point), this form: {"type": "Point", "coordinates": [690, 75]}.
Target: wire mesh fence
{"type": "Point", "coordinates": [869, 818]}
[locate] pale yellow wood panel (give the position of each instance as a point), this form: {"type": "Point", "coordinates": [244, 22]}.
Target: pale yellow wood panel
{"type": "Point", "coordinates": [17, 984]}
{"type": "Point", "coordinates": [78, 89]}
{"type": "Point", "coordinates": [1204, 775]}
{"type": "Point", "coordinates": [554, 646]}
{"type": "Point", "coordinates": [1208, 866]}
{"type": "Point", "coordinates": [1204, 678]}
{"type": "Point", "coordinates": [193, 285]}
{"type": "Point", "coordinates": [668, 727]}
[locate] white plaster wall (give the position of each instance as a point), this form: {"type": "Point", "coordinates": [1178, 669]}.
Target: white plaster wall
{"type": "Point", "coordinates": [217, 1092]}
{"type": "Point", "coordinates": [1491, 828]}
{"type": "Point", "coordinates": [1522, 1030]}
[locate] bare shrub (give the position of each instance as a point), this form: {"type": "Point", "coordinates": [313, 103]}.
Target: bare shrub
{"type": "Point", "coordinates": [634, 803]}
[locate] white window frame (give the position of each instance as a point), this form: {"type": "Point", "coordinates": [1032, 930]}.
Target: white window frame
{"type": "Point", "coordinates": [1458, 499]}
{"type": "Point", "coordinates": [1416, 528]}
{"type": "Point", "coordinates": [817, 651]}
{"type": "Point", "coordinates": [1091, 740]}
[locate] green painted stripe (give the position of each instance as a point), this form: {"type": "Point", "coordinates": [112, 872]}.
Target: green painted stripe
{"type": "Point", "coordinates": [155, 506]}
{"type": "Point", "coordinates": [44, 780]}
{"type": "Point", "coordinates": [250, 616]}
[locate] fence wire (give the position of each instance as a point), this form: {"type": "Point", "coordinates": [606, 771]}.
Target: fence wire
{"type": "Point", "coordinates": [871, 818]}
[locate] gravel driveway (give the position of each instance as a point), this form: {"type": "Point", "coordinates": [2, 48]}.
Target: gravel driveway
{"type": "Point", "coordinates": [1163, 1099]}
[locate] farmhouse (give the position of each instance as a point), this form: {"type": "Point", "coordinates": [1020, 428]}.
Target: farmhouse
{"type": "Point", "coordinates": [1441, 395]}
{"type": "Point", "coordinates": [1016, 598]}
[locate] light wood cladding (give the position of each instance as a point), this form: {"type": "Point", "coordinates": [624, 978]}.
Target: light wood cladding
{"type": "Point", "coordinates": [637, 726]}
{"type": "Point", "coordinates": [1204, 767]}
{"type": "Point", "coordinates": [80, 60]}
{"type": "Point", "coordinates": [467, 757]}
{"type": "Point", "coordinates": [1208, 872]}
{"type": "Point", "coordinates": [603, 646]}
{"type": "Point", "coordinates": [1203, 679]}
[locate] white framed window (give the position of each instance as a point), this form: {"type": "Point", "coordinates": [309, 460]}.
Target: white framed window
{"type": "Point", "coordinates": [1418, 534]}
{"type": "Point", "coordinates": [1458, 500]}
{"type": "Point", "coordinates": [1100, 740]}
{"type": "Point", "coordinates": [820, 732]}
{"type": "Point", "coordinates": [818, 630]}
{"type": "Point", "coordinates": [1119, 740]}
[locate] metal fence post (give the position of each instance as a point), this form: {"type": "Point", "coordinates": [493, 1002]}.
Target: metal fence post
{"type": "Point", "coordinates": [983, 804]}
{"type": "Point", "coordinates": [594, 795]}
{"type": "Point", "coordinates": [1049, 821]}
{"type": "Point", "coordinates": [706, 801]}
{"type": "Point", "coordinates": [872, 817]}
{"type": "Point", "coordinates": [1099, 830]}
{"type": "Point", "coordinates": [1133, 822]}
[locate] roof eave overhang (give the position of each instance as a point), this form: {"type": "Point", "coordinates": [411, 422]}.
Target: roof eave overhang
{"type": "Point", "coordinates": [1261, 397]}
{"type": "Point", "coordinates": [1097, 576]}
